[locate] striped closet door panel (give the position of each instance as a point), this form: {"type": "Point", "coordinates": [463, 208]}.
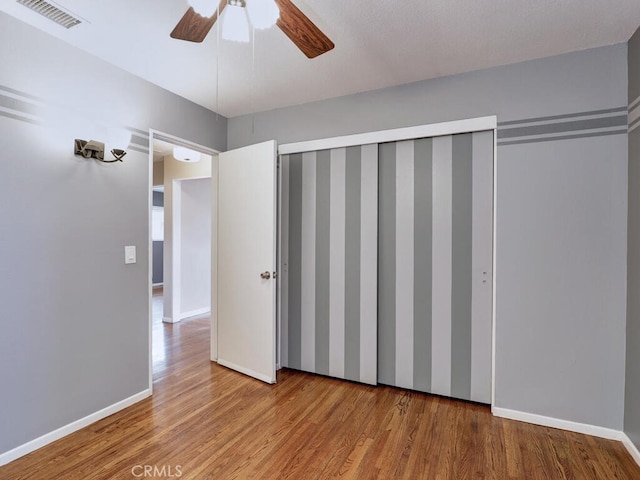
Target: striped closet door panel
{"type": "Point", "coordinates": [435, 260]}
{"type": "Point", "coordinates": [331, 267]}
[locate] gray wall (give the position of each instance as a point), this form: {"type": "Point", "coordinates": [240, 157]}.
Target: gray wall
{"type": "Point", "coordinates": [561, 214]}
{"type": "Point", "coordinates": [632, 391]}
{"type": "Point", "coordinates": [75, 317]}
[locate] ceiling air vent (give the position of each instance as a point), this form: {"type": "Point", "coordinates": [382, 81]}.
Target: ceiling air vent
{"type": "Point", "coordinates": [51, 12]}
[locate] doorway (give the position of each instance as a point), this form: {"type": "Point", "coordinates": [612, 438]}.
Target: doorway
{"type": "Point", "coordinates": [180, 239]}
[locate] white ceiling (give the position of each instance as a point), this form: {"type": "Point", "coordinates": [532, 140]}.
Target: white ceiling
{"type": "Point", "coordinates": [379, 43]}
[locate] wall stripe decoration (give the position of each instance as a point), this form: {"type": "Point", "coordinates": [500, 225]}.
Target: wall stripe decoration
{"type": "Point", "coordinates": [21, 106]}
{"type": "Point", "coordinates": [435, 259]}
{"type": "Point", "coordinates": [610, 121]}
{"type": "Point", "coordinates": [634, 115]}
{"type": "Point", "coordinates": [331, 220]}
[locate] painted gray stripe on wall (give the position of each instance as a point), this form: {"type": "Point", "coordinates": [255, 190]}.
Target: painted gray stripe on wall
{"type": "Point", "coordinates": [564, 137]}
{"type": "Point", "coordinates": [18, 105]}
{"type": "Point", "coordinates": [352, 267]}
{"type": "Point", "coordinates": [590, 124]}
{"type": "Point", "coordinates": [20, 93]}
{"type": "Point", "coordinates": [634, 116]}
{"type": "Point", "coordinates": [323, 261]}
{"type": "Point", "coordinates": [560, 117]}
{"type": "Point", "coordinates": [633, 113]}
{"type": "Point", "coordinates": [295, 261]}
{"type": "Point", "coordinates": [386, 264]}
{"type": "Point", "coordinates": [137, 140]}
{"type": "Point", "coordinates": [28, 108]}
{"type": "Point", "coordinates": [141, 133]}
{"type": "Point", "coordinates": [15, 116]}
{"type": "Point", "coordinates": [462, 244]}
{"type": "Point", "coordinates": [423, 231]}
{"type": "Point", "coordinates": [138, 149]}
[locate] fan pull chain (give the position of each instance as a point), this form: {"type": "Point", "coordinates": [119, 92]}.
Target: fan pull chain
{"type": "Point", "coordinates": [253, 81]}
{"type": "Point", "coordinates": [218, 63]}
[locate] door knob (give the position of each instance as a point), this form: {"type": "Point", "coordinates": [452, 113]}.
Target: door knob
{"type": "Point", "coordinates": [265, 275]}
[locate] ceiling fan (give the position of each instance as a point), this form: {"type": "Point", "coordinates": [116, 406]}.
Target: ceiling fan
{"type": "Point", "coordinates": [194, 27]}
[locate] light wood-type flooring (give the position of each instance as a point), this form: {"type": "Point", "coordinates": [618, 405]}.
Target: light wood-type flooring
{"type": "Point", "coordinates": [207, 422]}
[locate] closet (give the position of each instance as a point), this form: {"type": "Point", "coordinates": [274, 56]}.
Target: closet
{"type": "Point", "coordinates": [387, 262]}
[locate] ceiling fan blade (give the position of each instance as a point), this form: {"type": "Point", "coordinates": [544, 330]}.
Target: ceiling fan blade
{"type": "Point", "coordinates": [193, 27]}
{"type": "Point", "coordinates": [302, 31]}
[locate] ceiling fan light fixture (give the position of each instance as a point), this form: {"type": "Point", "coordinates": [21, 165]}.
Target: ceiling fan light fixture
{"type": "Point", "coordinates": [235, 26]}
{"type": "Point", "coordinates": [263, 14]}
{"type": "Point", "coordinates": [204, 8]}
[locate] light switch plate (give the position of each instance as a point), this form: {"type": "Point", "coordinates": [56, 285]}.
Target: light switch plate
{"type": "Point", "coordinates": [130, 254]}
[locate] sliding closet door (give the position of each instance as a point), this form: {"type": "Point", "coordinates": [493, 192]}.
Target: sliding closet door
{"type": "Point", "coordinates": [435, 259]}
{"type": "Point", "coordinates": [330, 221]}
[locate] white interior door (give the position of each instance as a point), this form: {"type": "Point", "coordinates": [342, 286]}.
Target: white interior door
{"type": "Point", "coordinates": [247, 260]}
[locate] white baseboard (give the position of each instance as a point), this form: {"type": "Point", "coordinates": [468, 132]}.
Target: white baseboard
{"type": "Point", "coordinates": [192, 314]}
{"type": "Point", "coordinates": [246, 371]}
{"type": "Point", "coordinates": [585, 428]}
{"type": "Point", "coordinates": [195, 313]}
{"type": "Point", "coordinates": [48, 438]}
{"type": "Point", "coordinates": [631, 448]}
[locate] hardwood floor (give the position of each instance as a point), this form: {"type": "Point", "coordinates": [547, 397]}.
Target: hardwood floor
{"type": "Point", "coordinates": [207, 422]}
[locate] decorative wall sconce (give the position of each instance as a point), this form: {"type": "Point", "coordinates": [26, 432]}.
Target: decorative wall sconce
{"type": "Point", "coordinates": [119, 139]}
{"type": "Point", "coordinates": [89, 149]}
